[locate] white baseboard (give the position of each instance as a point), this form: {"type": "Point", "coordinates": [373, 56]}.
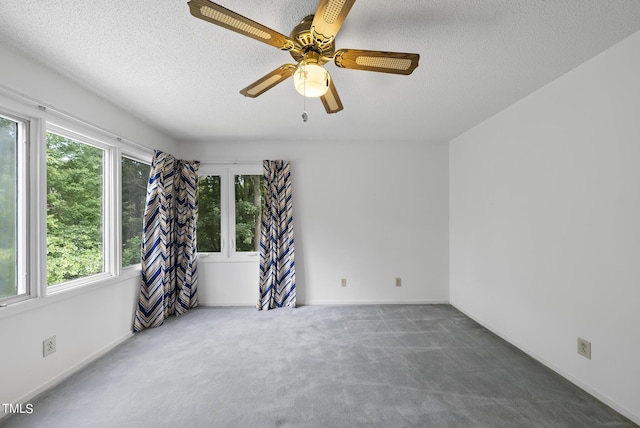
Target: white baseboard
{"type": "Point", "coordinates": [69, 372]}
{"type": "Point", "coordinates": [611, 403]}
{"type": "Point", "coordinates": [334, 302]}
{"type": "Point", "coordinates": [373, 302]}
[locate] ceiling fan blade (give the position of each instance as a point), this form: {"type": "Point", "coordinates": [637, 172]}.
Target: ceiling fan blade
{"type": "Point", "coordinates": [230, 20]}
{"type": "Point", "coordinates": [384, 62]}
{"type": "Point", "coordinates": [269, 81]}
{"type": "Point", "coordinates": [328, 19]}
{"type": "Point", "coordinates": [331, 100]}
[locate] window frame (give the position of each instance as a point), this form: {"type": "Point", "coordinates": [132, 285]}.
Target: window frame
{"type": "Point", "coordinates": [110, 256]}
{"type": "Point", "coordinates": [137, 157]}
{"type": "Point", "coordinates": [223, 215]}
{"type": "Point", "coordinates": [39, 120]}
{"type": "Point", "coordinates": [24, 284]}
{"type": "Point", "coordinates": [227, 173]}
{"type": "Point", "coordinates": [232, 211]}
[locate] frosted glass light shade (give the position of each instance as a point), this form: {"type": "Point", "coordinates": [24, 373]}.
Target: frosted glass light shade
{"type": "Point", "coordinates": [311, 80]}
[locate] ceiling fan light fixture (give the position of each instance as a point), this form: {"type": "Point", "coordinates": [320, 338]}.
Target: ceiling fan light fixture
{"type": "Point", "coordinates": [311, 80]}
{"type": "Point", "coordinates": [311, 43]}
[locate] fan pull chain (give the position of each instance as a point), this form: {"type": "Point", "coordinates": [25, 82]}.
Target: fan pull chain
{"type": "Point", "coordinates": [305, 116]}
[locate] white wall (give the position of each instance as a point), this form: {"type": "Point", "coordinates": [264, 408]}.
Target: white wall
{"type": "Point", "coordinates": [367, 212]}
{"type": "Point", "coordinates": [23, 75]}
{"type": "Point", "coordinates": [85, 322]}
{"type": "Point", "coordinates": [545, 224]}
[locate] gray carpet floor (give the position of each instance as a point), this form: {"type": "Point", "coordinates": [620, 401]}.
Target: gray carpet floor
{"type": "Point", "coordinates": [317, 366]}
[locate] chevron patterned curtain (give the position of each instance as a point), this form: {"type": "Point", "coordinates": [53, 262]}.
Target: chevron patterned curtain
{"type": "Point", "coordinates": [277, 266]}
{"type": "Point", "coordinates": [169, 273]}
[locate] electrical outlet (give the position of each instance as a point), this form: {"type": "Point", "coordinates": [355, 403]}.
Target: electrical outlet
{"type": "Point", "coordinates": [49, 346]}
{"type": "Point", "coordinates": [584, 348]}
{"type": "Point", "coordinates": [343, 283]}
{"type": "Point", "coordinates": [398, 282]}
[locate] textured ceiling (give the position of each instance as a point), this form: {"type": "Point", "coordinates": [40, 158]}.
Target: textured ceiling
{"type": "Point", "coordinates": [183, 75]}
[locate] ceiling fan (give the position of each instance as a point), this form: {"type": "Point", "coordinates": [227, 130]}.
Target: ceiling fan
{"type": "Point", "coordinates": [311, 44]}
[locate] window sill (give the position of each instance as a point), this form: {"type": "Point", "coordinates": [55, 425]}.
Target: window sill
{"type": "Point", "coordinates": [238, 258]}
{"type": "Point", "coordinates": [34, 303]}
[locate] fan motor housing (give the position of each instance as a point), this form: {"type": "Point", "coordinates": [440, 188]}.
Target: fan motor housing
{"type": "Point", "coordinates": [301, 34]}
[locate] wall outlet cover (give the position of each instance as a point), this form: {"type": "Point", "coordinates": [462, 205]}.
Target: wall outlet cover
{"type": "Point", "coordinates": [584, 348]}
{"type": "Point", "coordinates": [48, 346]}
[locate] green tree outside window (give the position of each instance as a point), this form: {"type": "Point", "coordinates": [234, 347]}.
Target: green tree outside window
{"type": "Point", "coordinates": [74, 209]}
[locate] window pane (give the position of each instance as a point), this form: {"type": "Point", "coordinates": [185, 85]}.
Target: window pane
{"type": "Point", "coordinates": [74, 209]}
{"type": "Point", "coordinates": [248, 190]}
{"type": "Point", "coordinates": [209, 214]}
{"type": "Point", "coordinates": [8, 207]}
{"type": "Point", "coordinates": [135, 176]}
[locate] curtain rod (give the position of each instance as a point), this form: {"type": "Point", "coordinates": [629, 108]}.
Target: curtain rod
{"type": "Point", "coordinates": [59, 112]}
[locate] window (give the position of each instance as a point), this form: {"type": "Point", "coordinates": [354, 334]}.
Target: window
{"type": "Point", "coordinates": [209, 233]}
{"type": "Point", "coordinates": [13, 214]}
{"type": "Point", "coordinates": [248, 199]}
{"type": "Point", "coordinates": [135, 175]}
{"type": "Point", "coordinates": [229, 210]}
{"type": "Point", "coordinates": [71, 203]}
{"type": "Point", "coordinates": [75, 209]}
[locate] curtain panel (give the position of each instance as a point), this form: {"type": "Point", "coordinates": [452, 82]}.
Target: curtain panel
{"type": "Point", "coordinates": [277, 287]}
{"type": "Point", "coordinates": [169, 271]}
